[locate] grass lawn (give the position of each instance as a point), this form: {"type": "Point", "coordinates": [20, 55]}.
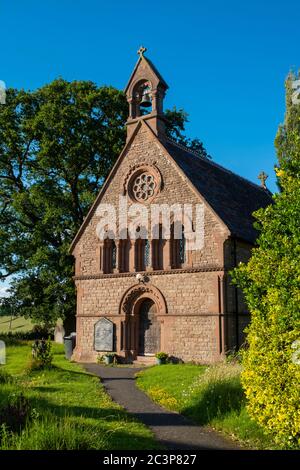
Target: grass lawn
{"type": "Point", "coordinates": [68, 408]}
{"type": "Point", "coordinates": [210, 396]}
{"type": "Point", "coordinates": [17, 324]}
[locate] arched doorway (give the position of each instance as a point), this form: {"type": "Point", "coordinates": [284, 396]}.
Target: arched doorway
{"type": "Point", "coordinates": [149, 328]}
{"type": "Point", "coordinates": [141, 307]}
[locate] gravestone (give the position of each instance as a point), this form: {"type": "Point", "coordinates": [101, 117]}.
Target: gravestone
{"type": "Point", "coordinates": [2, 353]}
{"type": "Point", "coordinates": [104, 335]}
{"type": "Point", "coordinates": [59, 333]}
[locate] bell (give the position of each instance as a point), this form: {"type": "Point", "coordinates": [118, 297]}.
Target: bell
{"type": "Point", "coordinates": [146, 101]}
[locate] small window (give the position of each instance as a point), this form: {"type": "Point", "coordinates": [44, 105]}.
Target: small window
{"type": "Point", "coordinates": [114, 255]}
{"type": "Point", "coordinates": [182, 248]}
{"type": "Point", "coordinates": [178, 246]}
{"type": "Point", "coordinates": [140, 255]}
{"type": "Point", "coordinates": [124, 255]}
{"type": "Point", "coordinates": [157, 249]}
{"type": "Point", "coordinates": [147, 254]}
{"type": "Point", "coordinates": [109, 256]}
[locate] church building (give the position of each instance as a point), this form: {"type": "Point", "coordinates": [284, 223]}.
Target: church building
{"type": "Point", "coordinates": [138, 295]}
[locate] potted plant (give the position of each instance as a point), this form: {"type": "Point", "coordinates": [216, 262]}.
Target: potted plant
{"type": "Point", "coordinates": [161, 358]}
{"type": "Point", "coordinates": [109, 358]}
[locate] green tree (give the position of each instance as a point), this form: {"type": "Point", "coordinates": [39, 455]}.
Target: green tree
{"type": "Point", "coordinates": [271, 284]}
{"type": "Point", "coordinates": [57, 146]}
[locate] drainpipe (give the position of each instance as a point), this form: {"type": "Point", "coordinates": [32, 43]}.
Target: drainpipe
{"type": "Point", "coordinates": [222, 328]}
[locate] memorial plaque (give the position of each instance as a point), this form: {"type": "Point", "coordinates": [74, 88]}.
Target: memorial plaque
{"type": "Point", "coordinates": [104, 335]}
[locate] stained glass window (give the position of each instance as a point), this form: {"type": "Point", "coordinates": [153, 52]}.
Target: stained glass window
{"type": "Point", "coordinates": [182, 248]}
{"type": "Point", "coordinates": [114, 255]}
{"type": "Point", "coordinates": [147, 254]}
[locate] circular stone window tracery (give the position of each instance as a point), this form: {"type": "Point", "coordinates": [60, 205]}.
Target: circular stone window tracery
{"type": "Point", "coordinates": [143, 184]}
{"type": "Point", "coordinates": [143, 187]}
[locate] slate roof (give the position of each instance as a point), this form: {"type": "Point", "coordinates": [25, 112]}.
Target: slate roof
{"type": "Point", "coordinates": [232, 197]}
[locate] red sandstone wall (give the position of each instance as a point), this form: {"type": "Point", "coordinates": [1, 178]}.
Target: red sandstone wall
{"type": "Point", "coordinates": [190, 330]}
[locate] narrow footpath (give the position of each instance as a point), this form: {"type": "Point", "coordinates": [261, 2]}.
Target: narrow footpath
{"type": "Point", "coordinates": [172, 430]}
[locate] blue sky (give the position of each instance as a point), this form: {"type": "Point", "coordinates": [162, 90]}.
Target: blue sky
{"type": "Point", "coordinates": [225, 61]}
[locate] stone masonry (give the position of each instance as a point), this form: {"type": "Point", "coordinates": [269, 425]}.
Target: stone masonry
{"type": "Point", "coordinates": [200, 314]}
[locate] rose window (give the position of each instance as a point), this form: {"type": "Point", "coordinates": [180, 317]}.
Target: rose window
{"type": "Point", "coordinates": [143, 187]}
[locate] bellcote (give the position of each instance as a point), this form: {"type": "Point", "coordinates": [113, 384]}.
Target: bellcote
{"type": "Point", "coordinates": [145, 94]}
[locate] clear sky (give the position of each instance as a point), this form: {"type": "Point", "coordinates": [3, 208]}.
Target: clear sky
{"type": "Point", "coordinates": [225, 61]}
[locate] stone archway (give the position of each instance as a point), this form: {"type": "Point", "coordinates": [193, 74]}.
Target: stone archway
{"type": "Point", "coordinates": [139, 291]}
{"type": "Point", "coordinates": [141, 329]}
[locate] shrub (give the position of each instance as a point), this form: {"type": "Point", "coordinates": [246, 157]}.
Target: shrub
{"type": "Point", "coordinates": [271, 381]}
{"type": "Point", "coordinates": [41, 331]}
{"type": "Point", "coordinates": [271, 284]}
{"type": "Point", "coordinates": [15, 412]}
{"type": "Point", "coordinates": [162, 356]}
{"type": "Point", "coordinates": [41, 355]}
{"type": "Point", "coordinates": [13, 338]}
{"type": "Point", "coordinates": [100, 359]}
{"type": "Point", "coordinates": [110, 354]}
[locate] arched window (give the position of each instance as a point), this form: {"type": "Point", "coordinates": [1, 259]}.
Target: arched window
{"type": "Point", "coordinates": [157, 249]}
{"type": "Point", "coordinates": [178, 245]}
{"type": "Point", "coordinates": [124, 255]}
{"type": "Point", "coordinates": [182, 248]}
{"type": "Point", "coordinates": [109, 256]}
{"type": "Point", "coordinates": [113, 255]}
{"type": "Point", "coordinates": [146, 254]}
{"type": "Point", "coordinates": [141, 254]}
{"type": "Point", "coordinates": [142, 250]}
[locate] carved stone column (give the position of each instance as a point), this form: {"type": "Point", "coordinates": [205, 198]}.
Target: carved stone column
{"type": "Point", "coordinates": [118, 257]}
{"type": "Point", "coordinates": [188, 258]}
{"type": "Point", "coordinates": [99, 257]}
{"type": "Point", "coordinates": [167, 255]}
{"type": "Point", "coordinates": [132, 256]}
{"type": "Point", "coordinates": [154, 100]}
{"type": "Point", "coordinates": [78, 264]}
{"type": "Point", "coordinates": [131, 108]}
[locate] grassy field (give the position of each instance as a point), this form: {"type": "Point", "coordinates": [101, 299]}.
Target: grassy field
{"type": "Point", "coordinates": [17, 324]}
{"type": "Point", "coordinates": [65, 407]}
{"type": "Point", "coordinates": [210, 396]}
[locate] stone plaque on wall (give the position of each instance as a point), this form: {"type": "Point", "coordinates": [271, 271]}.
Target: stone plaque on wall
{"type": "Point", "coordinates": [104, 335]}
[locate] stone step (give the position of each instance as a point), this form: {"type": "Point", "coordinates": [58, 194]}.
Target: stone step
{"type": "Point", "coordinates": [147, 360]}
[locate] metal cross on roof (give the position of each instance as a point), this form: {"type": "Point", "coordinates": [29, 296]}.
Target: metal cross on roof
{"type": "Point", "coordinates": [263, 178]}
{"type": "Point", "coordinates": [141, 51]}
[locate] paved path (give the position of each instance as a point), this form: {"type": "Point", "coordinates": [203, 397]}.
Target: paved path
{"type": "Point", "coordinates": [171, 429]}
